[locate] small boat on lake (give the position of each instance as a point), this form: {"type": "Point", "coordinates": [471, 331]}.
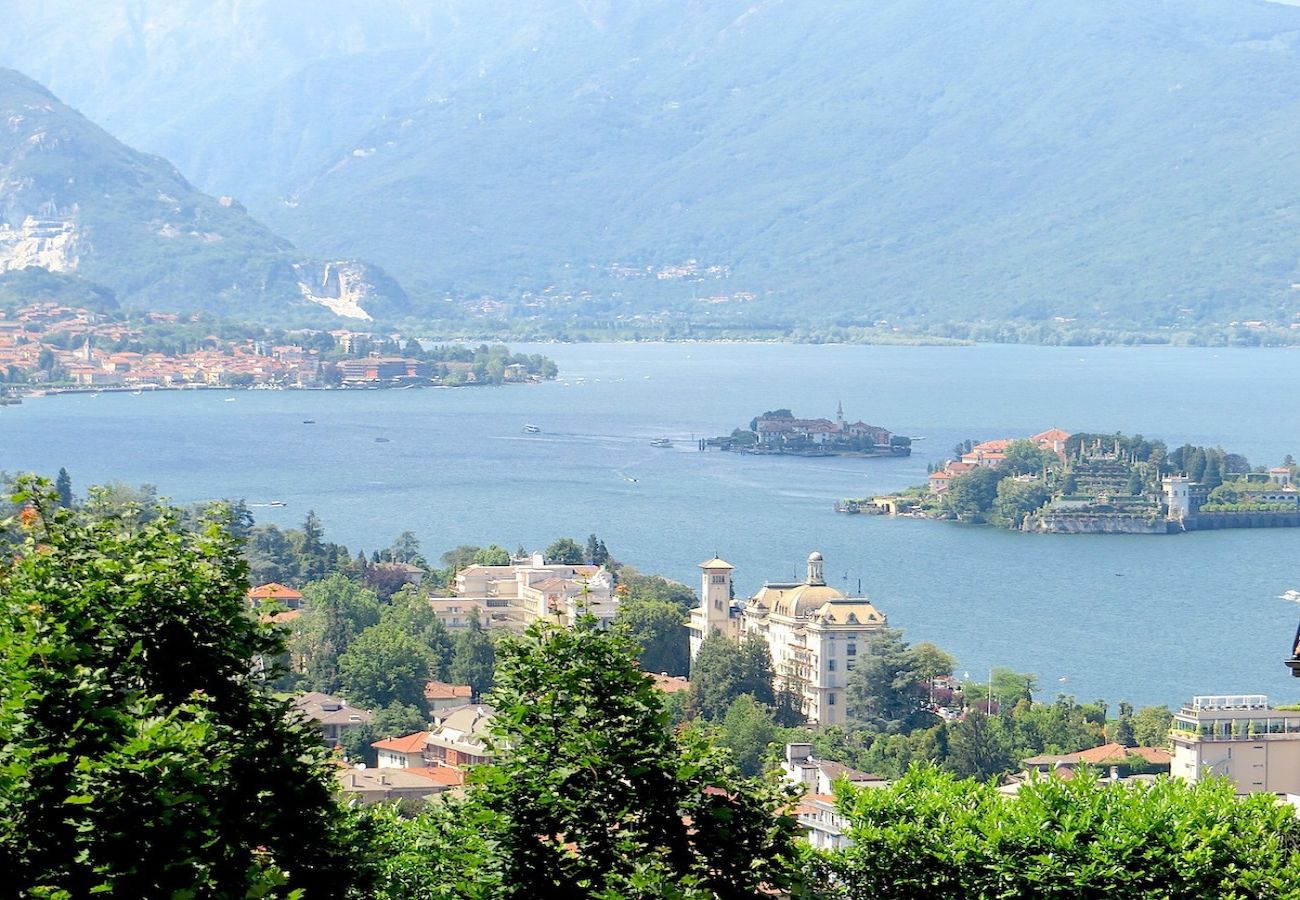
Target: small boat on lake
{"type": "Point", "coordinates": [309, 421]}
{"type": "Point", "coordinates": [532, 429]}
{"type": "Point", "coordinates": [381, 440]}
{"type": "Point", "coordinates": [661, 442]}
{"type": "Point", "coordinates": [1293, 596]}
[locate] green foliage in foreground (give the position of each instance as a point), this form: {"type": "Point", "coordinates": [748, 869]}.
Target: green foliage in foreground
{"type": "Point", "coordinates": [140, 754]}
{"type": "Point", "coordinates": [592, 794]}
{"type": "Point", "coordinates": [932, 835]}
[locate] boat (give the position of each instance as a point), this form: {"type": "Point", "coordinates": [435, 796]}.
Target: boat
{"type": "Point", "coordinates": [309, 421]}
{"type": "Point", "coordinates": [532, 429]}
{"type": "Point", "coordinates": [1293, 596]}
{"type": "Point", "coordinates": [381, 440]}
{"type": "Point", "coordinates": [661, 442]}
{"type": "Point", "coordinates": [276, 503]}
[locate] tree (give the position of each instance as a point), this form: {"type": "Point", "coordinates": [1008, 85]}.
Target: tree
{"type": "Point", "coordinates": [564, 552]}
{"type": "Point", "coordinates": [658, 629]}
{"type": "Point", "coordinates": [410, 612]}
{"type": "Point", "coordinates": [747, 730]}
{"type": "Point", "coordinates": [884, 690]}
{"type": "Point", "coordinates": [270, 556]}
{"type": "Point", "coordinates": [971, 496]}
{"type": "Point", "coordinates": [63, 487]}
{"type": "Point", "coordinates": [141, 754]}
{"type": "Point", "coordinates": [397, 720]}
{"type": "Point", "coordinates": [337, 609]}
{"type": "Point", "coordinates": [1151, 726]}
{"type": "Point", "coordinates": [593, 795]}
{"type": "Point", "coordinates": [1122, 733]}
{"type": "Point", "coordinates": [406, 549]}
{"type": "Point", "coordinates": [930, 835]}
{"type": "Point", "coordinates": [459, 558]}
{"type": "Point", "coordinates": [492, 555]}
{"type": "Point", "coordinates": [597, 555]}
{"type": "Point", "coordinates": [473, 660]}
{"type": "Point", "coordinates": [656, 587]}
{"type": "Point", "coordinates": [724, 670]}
{"type": "Point", "coordinates": [1024, 457]}
{"type": "Point", "coordinates": [312, 559]}
{"type": "Point", "coordinates": [1015, 501]}
{"type": "Point", "coordinates": [931, 662]}
{"type": "Point", "coordinates": [978, 746]}
{"type": "Point", "coordinates": [383, 666]}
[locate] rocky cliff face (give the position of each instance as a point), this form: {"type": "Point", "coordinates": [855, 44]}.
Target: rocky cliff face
{"type": "Point", "coordinates": [74, 199]}
{"type": "Point", "coordinates": [51, 244]}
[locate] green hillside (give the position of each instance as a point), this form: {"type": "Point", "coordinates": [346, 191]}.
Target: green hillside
{"type": "Point", "coordinates": [75, 200]}
{"type": "Point", "coordinates": [1116, 162]}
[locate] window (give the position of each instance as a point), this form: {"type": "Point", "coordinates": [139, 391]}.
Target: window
{"type": "Point", "coordinates": [830, 699]}
{"type": "Point", "coordinates": [852, 650]}
{"type": "Point", "coordinates": [830, 665]}
{"type": "Point", "coordinates": [717, 604]}
{"type": "Point", "coordinates": [717, 579]}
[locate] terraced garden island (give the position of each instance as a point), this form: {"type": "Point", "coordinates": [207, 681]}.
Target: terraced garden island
{"type": "Point", "coordinates": [1084, 483]}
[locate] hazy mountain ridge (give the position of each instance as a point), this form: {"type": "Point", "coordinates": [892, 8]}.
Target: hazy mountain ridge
{"type": "Point", "coordinates": [75, 200]}
{"type": "Point", "coordinates": [1110, 161]}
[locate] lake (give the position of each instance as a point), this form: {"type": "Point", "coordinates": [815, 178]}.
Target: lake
{"type": "Point", "coordinates": [1151, 619]}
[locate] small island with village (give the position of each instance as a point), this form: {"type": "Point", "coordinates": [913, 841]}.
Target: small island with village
{"type": "Point", "coordinates": [1061, 483]}
{"type": "Point", "coordinates": [779, 433]}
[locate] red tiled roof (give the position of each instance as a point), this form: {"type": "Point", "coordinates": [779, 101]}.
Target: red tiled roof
{"type": "Point", "coordinates": [440, 690]}
{"type": "Point", "coordinates": [272, 590]}
{"type": "Point", "coordinates": [411, 743]}
{"type": "Point", "coordinates": [447, 775]}
{"type": "Point", "coordinates": [1108, 752]}
{"type": "Point", "coordinates": [671, 684]}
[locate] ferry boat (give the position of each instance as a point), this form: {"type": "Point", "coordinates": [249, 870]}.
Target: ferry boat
{"type": "Point", "coordinates": [532, 429]}
{"type": "Point", "coordinates": [661, 442]}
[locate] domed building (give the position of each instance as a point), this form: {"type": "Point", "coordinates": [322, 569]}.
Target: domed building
{"type": "Point", "coordinates": [811, 630]}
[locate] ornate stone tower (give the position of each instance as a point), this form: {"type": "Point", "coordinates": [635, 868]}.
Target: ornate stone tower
{"type": "Point", "coordinates": [816, 568]}
{"type": "Point", "coordinates": [1178, 499]}
{"type": "Point", "coordinates": [714, 612]}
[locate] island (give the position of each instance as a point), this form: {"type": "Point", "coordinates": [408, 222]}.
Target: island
{"type": "Point", "coordinates": [779, 433]}
{"type": "Point", "coordinates": [1088, 483]}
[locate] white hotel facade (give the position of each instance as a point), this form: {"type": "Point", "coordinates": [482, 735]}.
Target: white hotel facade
{"type": "Point", "coordinates": [812, 631]}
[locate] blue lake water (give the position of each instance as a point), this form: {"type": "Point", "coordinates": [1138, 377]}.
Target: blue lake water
{"type": "Point", "coordinates": [1152, 619]}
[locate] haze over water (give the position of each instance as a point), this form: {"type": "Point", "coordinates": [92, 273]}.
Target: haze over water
{"type": "Point", "coordinates": [1151, 619]}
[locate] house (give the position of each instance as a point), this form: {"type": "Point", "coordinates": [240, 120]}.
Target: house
{"type": "Point", "coordinates": [811, 630]}
{"type": "Point", "coordinates": [670, 684]}
{"type": "Point", "coordinates": [441, 695]}
{"type": "Point", "coordinates": [331, 715]}
{"type": "Point", "coordinates": [1116, 758]}
{"type": "Point", "coordinates": [987, 454]}
{"type": "Point", "coordinates": [401, 752]}
{"type": "Point", "coordinates": [819, 776]}
{"type": "Point", "coordinates": [526, 590]}
{"type": "Point", "coordinates": [365, 787]}
{"type": "Point", "coordinates": [940, 481]}
{"type": "Point", "coordinates": [817, 811]}
{"type": "Point", "coordinates": [1052, 439]}
{"type": "Point", "coordinates": [824, 826]}
{"type": "Point", "coordinates": [456, 613]}
{"type": "Point", "coordinates": [1240, 737]}
{"type": "Point", "coordinates": [273, 592]}
{"type": "Point", "coordinates": [458, 738]}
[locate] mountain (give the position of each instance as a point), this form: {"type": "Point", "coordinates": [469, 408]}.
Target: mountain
{"type": "Point", "coordinates": [75, 200]}
{"type": "Point", "coordinates": [1116, 162]}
